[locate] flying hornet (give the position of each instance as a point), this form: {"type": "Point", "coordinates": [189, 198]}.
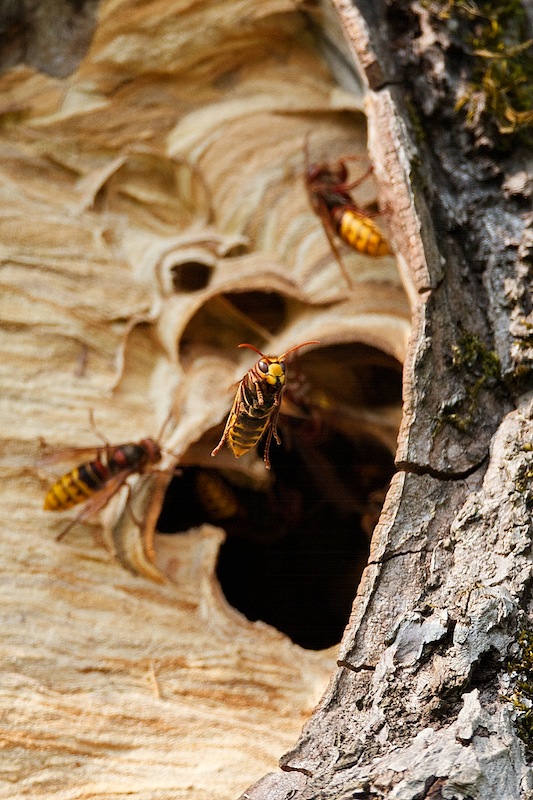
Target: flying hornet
{"type": "Point", "coordinates": [95, 482]}
{"type": "Point", "coordinates": [329, 195]}
{"type": "Point", "coordinates": [256, 407]}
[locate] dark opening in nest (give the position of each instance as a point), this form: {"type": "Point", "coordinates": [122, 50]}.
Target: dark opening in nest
{"type": "Point", "coordinates": [190, 276]}
{"type": "Point", "coordinates": [295, 551]}
{"type": "Point", "coordinates": [296, 546]}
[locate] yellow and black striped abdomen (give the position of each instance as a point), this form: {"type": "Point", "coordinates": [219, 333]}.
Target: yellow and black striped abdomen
{"type": "Point", "coordinates": [216, 496]}
{"type": "Point", "coordinates": [73, 488]}
{"type": "Point", "coordinates": [247, 430]}
{"type": "Point", "coordinates": [362, 234]}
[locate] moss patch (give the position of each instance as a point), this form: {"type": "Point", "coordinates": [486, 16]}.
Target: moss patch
{"type": "Point", "coordinates": [497, 93]}
{"type": "Point", "coordinates": [479, 367]}
{"type": "Point", "coordinates": [520, 667]}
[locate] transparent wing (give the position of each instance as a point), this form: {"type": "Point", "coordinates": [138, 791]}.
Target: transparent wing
{"type": "Point", "coordinates": [79, 454]}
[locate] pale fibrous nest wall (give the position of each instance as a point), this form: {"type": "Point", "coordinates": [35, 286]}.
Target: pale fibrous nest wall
{"type": "Point", "coordinates": [142, 194]}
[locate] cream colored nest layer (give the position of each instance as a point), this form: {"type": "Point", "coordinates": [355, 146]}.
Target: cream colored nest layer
{"type": "Point", "coordinates": [178, 140]}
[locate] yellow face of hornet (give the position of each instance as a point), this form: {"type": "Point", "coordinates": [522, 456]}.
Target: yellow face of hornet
{"type": "Point", "coordinates": [273, 371]}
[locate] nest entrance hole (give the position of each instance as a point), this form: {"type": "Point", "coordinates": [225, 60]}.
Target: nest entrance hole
{"type": "Point", "coordinates": [300, 568]}
{"type": "Point", "coordinates": [190, 276]}
{"type": "Point", "coordinates": [229, 318]}
{"type": "Point", "coordinates": [296, 548]}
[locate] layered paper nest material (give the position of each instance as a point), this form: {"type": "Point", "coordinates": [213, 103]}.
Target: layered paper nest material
{"type": "Point", "coordinates": [174, 150]}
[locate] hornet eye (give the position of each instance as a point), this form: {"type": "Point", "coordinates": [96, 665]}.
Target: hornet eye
{"type": "Point", "coordinates": [263, 366]}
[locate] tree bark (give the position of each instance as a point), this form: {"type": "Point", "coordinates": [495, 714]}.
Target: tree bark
{"type": "Point", "coordinates": [148, 181]}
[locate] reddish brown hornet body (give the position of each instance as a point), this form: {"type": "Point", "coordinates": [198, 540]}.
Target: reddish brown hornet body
{"type": "Point", "coordinates": [95, 482]}
{"type": "Point", "coordinates": [256, 406]}
{"type": "Point", "coordinates": [329, 196]}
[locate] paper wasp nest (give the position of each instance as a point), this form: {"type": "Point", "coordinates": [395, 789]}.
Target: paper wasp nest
{"type": "Point", "coordinates": [156, 218]}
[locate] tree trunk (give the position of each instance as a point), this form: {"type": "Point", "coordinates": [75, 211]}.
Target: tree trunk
{"type": "Point", "coordinates": [155, 217]}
